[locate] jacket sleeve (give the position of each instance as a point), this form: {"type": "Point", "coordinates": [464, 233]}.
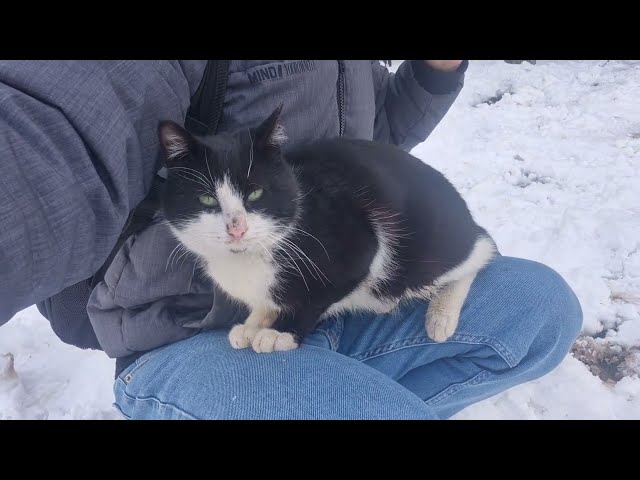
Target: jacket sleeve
{"type": "Point", "coordinates": [151, 296]}
{"type": "Point", "coordinates": [78, 149]}
{"type": "Point", "coordinates": [411, 102]}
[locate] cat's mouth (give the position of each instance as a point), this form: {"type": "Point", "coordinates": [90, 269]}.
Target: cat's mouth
{"type": "Point", "coordinates": [241, 250]}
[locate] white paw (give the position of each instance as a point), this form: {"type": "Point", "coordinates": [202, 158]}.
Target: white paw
{"type": "Point", "coordinates": [269, 340]}
{"type": "Point", "coordinates": [241, 336]}
{"type": "Point", "coordinates": [441, 323]}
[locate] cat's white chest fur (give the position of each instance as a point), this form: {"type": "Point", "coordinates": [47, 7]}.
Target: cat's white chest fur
{"type": "Point", "coordinates": [246, 277]}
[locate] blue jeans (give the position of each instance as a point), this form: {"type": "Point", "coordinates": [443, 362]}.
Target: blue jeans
{"type": "Point", "coordinates": [518, 323]}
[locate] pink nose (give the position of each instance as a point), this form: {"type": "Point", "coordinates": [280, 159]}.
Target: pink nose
{"type": "Point", "coordinates": [237, 228]}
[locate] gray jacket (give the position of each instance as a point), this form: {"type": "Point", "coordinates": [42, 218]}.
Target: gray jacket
{"type": "Point", "coordinates": [79, 149]}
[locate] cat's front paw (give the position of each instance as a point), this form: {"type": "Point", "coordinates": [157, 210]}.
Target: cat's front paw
{"type": "Point", "coordinates": [241, 336]}
{"type": "Point", "coordinates": [441, 323]}
{"type": "Point", "coordinates": [269, 340]}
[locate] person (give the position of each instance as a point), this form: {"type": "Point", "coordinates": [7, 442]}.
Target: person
{"type": "Point", "coordinates": [79, 150]}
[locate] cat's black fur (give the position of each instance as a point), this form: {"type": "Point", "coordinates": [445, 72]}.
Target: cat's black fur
{"type": "Point", "coordinates": [332, 187]}
{"type": "Point", "coordinates": [435, 230]}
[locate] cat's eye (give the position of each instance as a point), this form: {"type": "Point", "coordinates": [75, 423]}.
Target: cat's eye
{"type": "Point", "coordinates": [208, 200]}
{"type": "Point", "coordinates": [255, 195]}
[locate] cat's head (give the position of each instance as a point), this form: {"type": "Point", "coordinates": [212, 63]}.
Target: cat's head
{"type": "Point", "coordinates": [228, 193]}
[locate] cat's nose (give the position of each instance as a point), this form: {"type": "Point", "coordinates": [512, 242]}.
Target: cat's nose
{"type": "Point", "coordinates": [237, 228]}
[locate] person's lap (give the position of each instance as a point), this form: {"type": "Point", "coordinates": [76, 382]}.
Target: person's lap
{"type": "Point", "coordinates": [517, 324]}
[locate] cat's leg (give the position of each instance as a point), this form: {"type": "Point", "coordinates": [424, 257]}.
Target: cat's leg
{"type": "Point", "coordinates": [452, 289]}
{"type": "Point", "coordinates": [445, 307]}
{"type": "Point", "coordinates": [288, 332]}
{"type": "Point", "coordinates": [243, 335]}
{"type": "Point", "coordinates": [256, 332]}
{"type": "Point", "coordinates": [301, 324]}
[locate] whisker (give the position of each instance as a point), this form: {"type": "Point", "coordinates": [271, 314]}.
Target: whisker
{"type": "Point", "coordinates": [282, 242]}
{"type": "Point", "coordinates": [293, 250]}
{"type": "Point", "coordinates": [250, 154]}
{"type": "Point", "coordinates": [307, 233]}
{"type": "Point", "coordinates": [266, 250]}
{"type": "Point", "coordinates": [184, 257]}
{"type": "Point", "coordinates": [300, 197]}
{"type": "Point", "coordinates": [195, 180]}
{"type": "Point", "coordinates": [195, 173]}
{"type": "Point", "coordinates": [206, 160]}
{"type": "Point", "coordinates": [313, 264]}
{"type": "Point", "coordinates": [295, 265]}
{"type": "Point", "coordinates": [166, 267]}
{"type": "Point", "coordinates": [361, 191]}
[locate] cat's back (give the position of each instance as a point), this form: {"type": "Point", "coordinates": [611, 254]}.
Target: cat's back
{"type": "Point", "coordinates": [349, 153]}
{"type": "Point", "coordinates": [387, 169]}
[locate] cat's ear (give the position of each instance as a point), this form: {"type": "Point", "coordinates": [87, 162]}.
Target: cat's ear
{"type": "Point", "coordinates": [174, 140]}
{"type": "Point", "coordinates": [271, 132]}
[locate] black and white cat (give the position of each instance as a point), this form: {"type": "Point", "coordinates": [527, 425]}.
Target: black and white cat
{"type": "Point", "coordinates": [331, 226]}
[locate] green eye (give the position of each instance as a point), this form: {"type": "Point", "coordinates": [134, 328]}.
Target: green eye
{"type": "Point", "coordinates": [208, 200]}
{"type": "Point", "coordinates": [255, 195]}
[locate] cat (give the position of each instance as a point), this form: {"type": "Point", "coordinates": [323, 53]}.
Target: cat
{"type": "Point", "coordinates": [332, 226]}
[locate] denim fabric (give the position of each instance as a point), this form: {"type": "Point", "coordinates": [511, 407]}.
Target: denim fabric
{"type": "Point", "coordinates": [518, 323]}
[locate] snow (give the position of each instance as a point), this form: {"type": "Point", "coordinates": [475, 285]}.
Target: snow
{"type": "Point", "coordinates": [54, 380]}
{"type": "Point", "coordinates": [547, 157]}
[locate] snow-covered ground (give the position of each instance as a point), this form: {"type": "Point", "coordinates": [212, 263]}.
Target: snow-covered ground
{"type": "Point", "coordinates": [548, 158]}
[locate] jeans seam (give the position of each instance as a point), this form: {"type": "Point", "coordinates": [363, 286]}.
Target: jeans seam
{"type": "Point", "coordinates": [119, 410]}
{"type": "Point", "coordinates": [333, 332]}
{"type": "Point", "coordinates": [497, 346]}
{"type": "Point", "coordinates": [452, 389]}
{"type": "Point", "coordinates": [136, 366]}
{"type": "Point", "coordinates": [163, 404]}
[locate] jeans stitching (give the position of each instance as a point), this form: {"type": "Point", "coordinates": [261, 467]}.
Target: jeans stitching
{"type": "Point", "coordinates": [119, 410]}
{"type": "Point", "coordinates": [333, 332]}
{"type": "Point", "coordinates": [136, 366]}
{"type": "Point", "coordinates": [451, 389]}
{"type": "Point", "coordinates": [497, 346]}
{"type": "Point", "coordinates": [163, 404]}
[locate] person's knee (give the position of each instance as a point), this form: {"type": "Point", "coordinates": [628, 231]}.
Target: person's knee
{"type": "Point", "coordinates": [554, 308]}
{"type": "Point", "coordinates": [204, 378]}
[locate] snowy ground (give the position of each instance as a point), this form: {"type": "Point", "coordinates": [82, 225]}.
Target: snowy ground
{"type": "Point", "coordinates": [548, 158]}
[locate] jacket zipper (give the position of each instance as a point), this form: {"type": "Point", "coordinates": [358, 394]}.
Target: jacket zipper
{"type": "Point", "coordinates": [341, 95]}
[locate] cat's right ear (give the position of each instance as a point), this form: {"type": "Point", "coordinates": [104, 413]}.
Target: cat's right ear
{"type": "Point", "coordinates": [175, 142]}
{"type": "Point", "coordinates": [271, 132]}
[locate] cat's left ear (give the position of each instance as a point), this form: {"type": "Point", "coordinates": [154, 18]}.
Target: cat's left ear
{"type": "Point", "coordinates": [175, 142]}
{"type": "Point", "coordinates": [271, 132]}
